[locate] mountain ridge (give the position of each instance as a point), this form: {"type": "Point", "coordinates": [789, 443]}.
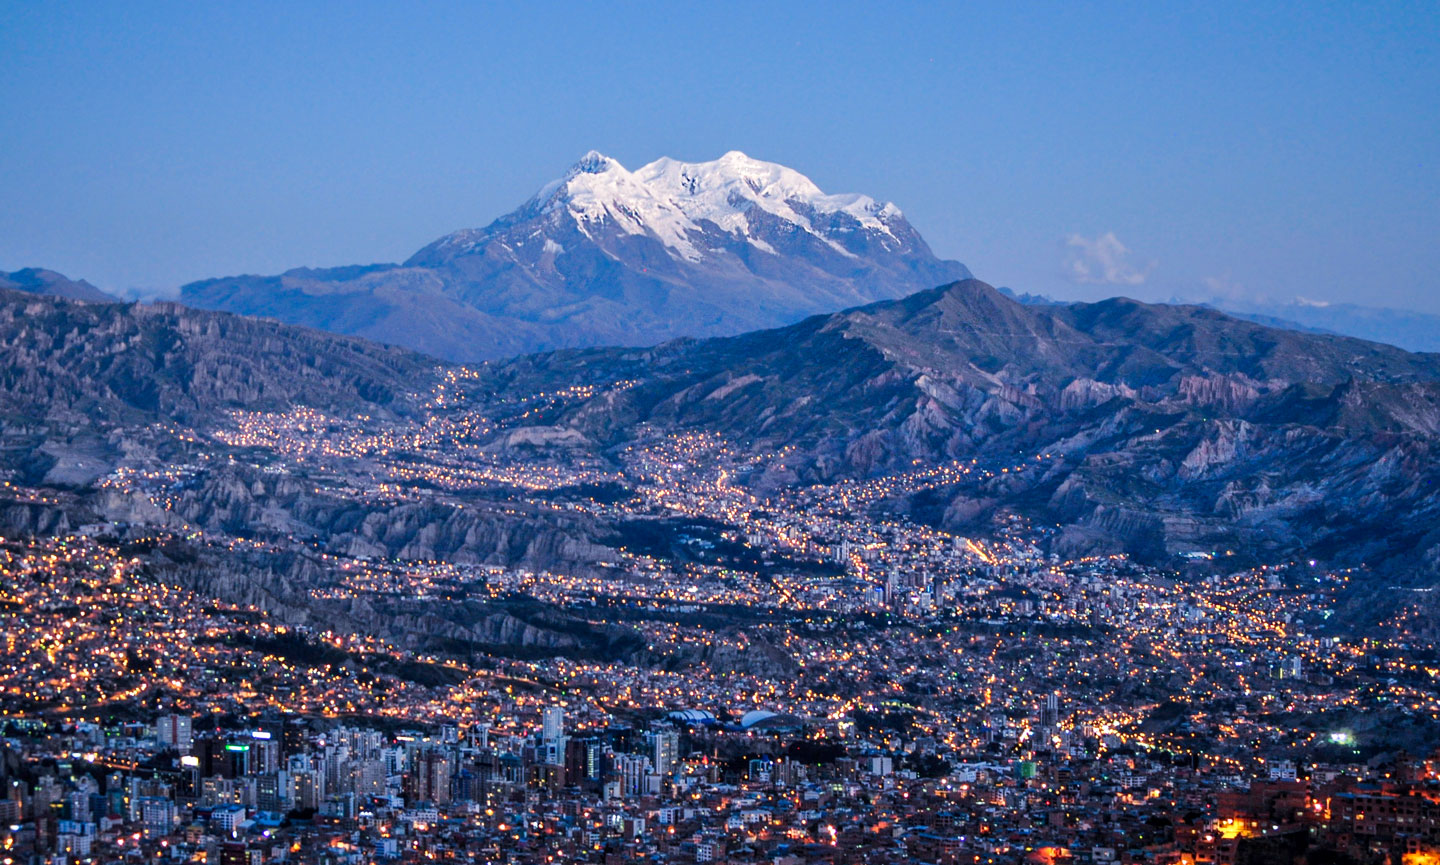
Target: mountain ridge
{"type": "Point", "coordinates": [75, 363]}
{"type": "Point", "coordinates": [38, 280]}
{"type": "Point", "coordinates": [1168, 428]}
{"type": "Point", "coordinates": [1141, 428]}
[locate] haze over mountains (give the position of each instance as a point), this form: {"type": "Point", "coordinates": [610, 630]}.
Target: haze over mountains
{"type": "Point", "coordinates": [1416, 331]}
{"type": "Point", "coordinates": [606, 256]}
{"type": "Point", "coordinates": [1404, 328]}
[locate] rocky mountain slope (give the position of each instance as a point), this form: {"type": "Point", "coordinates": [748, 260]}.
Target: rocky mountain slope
{"type": "Point", "coordinates": [605, 256]}
{"type": "Point", "coordinates": [106, 364]}
{"type": "Point", "coordinates": [82, 384]}
{"type": "Point", "coordinates": [1156, 429]}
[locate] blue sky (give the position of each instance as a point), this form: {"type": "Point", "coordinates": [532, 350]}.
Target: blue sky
{"type": "Point", "coordinates": [1075, 149]}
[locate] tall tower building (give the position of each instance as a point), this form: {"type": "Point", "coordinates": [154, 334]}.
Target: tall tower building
{"type": "Point", "coordinates": [553, 725]}
{"type": "Point", "coordinates": [174, 731]}
{"type": "Point", "coordinates": [1050, 715]}
{"type": "Point", "coordinates": [665, 751]}
{"type": "Point", "coordinates": [429, 780]}
{"type": "Point", "coordinates": [552, 735]}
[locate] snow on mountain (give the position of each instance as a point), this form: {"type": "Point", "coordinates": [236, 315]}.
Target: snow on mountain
{"type": "Point", "coordinates": [608, 256]}
{"type": "Point", "coordinates": [680, 203]}
{"type": "Point", "coordinates": [724, 190]}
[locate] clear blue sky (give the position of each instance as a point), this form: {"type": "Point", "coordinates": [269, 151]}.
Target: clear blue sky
{"type": "Point", "coordinates": [1258, 147]}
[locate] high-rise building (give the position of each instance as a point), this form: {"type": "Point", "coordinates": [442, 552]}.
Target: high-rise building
{"type": "Point", "coordinates": [293, 737]}
{"type": "Point", "coordinates": [553, 724]}
{"type": "Point", "coordinates": [429, 778]}
{"type": "Point", "coordinates": [238, 754]}
{"type": "Point", "coordinates": [140, 789]}
{"type": "Point", "coordinates": [227, 759]}
{"type": "Point", "coordinates": [360, 744]}
{"type": "Point", "coordinates": [74, 838]}
{"type": "Point", "coordinates": [582, 761]}
{"type": "Point", "coordinates": [264, 754]}
{"type": "Point", "coordinates": [157, 815]}
{"type": "Point", "coordinates": [174, 731]}
{"type": "Point", "coordinates": [632, 769]}
{"type": "Point", "coordinates": [1050, 715]}
{"type": "Point", "coordinates": [665, 751]}
{"type": "Point", "coordinates": [552, 736]}
{"type": "Point", "coordinates": [77, 806]}
{"type": "Point", "coordinates": [269, 793]}
{"type": "Point", "coordinates": [306, 790]}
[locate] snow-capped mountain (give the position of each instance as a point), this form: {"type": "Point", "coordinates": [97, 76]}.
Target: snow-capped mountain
{"type": "Point", "coordinates": [605, 255]}
{"type": "Point", "coordinates": [695, 209]}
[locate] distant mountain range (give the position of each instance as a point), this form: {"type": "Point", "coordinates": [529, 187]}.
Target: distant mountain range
{"type": "Point", "coordinates": [36, 280]}
{"type": "Point", "coordinates": [85, 368]}
{"type": "Point", "coordinates": [1410, 330]}
{"type": "Point", "coordinates": [606, 256]}
{"type": "Point", "coordinates": [1416, 331]}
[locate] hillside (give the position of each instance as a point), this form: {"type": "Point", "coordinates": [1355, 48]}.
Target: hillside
{"type": "Point", "coordinates": [1160, 429]}
{"type": "Point", "coordinates": [37, 280]}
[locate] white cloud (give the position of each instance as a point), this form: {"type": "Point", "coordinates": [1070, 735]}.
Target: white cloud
{"type": "Point", "coordinates": [149, 294]}
{"type": "Point", "coordinates": [1103, 260]}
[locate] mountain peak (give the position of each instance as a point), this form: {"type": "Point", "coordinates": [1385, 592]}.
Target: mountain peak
{"type": "Point", "coordinates": [677, 203]}
{"type": "Point", "coordinates": [593, 162]}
